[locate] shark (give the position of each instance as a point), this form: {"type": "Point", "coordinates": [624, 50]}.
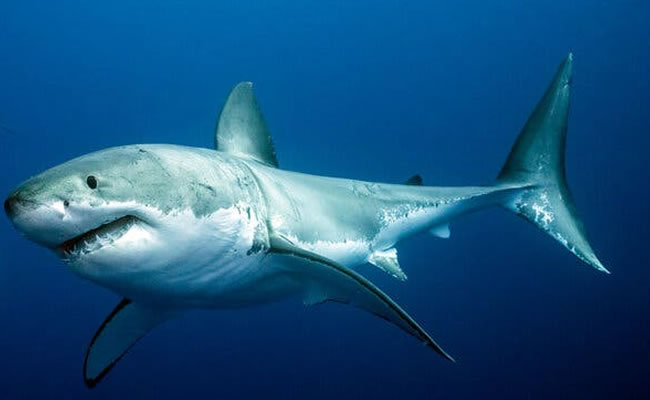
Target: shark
{"type": "Point", "coordinates": [171, 228]}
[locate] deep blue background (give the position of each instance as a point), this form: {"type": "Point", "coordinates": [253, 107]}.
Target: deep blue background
{"type": "Point", "coordinates": [374, 90]}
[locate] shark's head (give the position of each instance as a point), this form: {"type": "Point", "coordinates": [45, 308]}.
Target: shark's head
{"type": "Point", "coordinates": [79, 201]}
{"type": "Point", "coordinates": [128, 208]}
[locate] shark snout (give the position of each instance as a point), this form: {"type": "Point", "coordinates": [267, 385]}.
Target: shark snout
{"type": "Point", "coordinates": [36, 221]}
{"type": "Point", "coordinates": [8, 207]}
{"type": "Point", "coordinates": [11, 205]}
{"type": "Point", "coordinates": [16, 204]}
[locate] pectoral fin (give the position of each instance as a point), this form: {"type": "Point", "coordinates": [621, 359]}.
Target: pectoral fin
{"type": "Point", "coordinates": [327, 280]}
{"type": "Point", "coordinates": [124, 326]}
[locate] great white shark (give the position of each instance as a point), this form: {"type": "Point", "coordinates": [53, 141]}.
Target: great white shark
{"type": "Point", "coordinates": [172, 228]}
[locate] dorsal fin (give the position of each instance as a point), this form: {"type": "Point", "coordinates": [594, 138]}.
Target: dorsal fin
{"type": "Point", "coordinates": [241, 129]}
{"type": "Point", "coordinates": [415, 180]}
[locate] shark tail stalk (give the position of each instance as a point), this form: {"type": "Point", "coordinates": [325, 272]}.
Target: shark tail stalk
{"type": "Point", "coordinates": [536, 161]}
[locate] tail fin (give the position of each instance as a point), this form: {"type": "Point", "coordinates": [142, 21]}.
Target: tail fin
{"type": "Point", "coordinates": [537, 161]}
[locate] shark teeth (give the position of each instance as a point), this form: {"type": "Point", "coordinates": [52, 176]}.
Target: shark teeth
{"type": "Point", "coordinates": [97, 238]}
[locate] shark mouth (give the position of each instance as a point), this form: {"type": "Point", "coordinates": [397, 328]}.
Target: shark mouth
{"type": "Point", "coordinates": [97, 238]}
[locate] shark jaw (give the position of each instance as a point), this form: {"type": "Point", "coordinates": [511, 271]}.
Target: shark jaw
{"type": "Point", "coordinates": [103, 236]}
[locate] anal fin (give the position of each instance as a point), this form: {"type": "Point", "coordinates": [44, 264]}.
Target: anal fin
{"type": "Point", "coordinates": [387, 261]}
{"type": "Point", "coordinates": [441, 231]}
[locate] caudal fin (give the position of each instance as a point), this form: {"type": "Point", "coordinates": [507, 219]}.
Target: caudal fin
{"type": "Point", "coordinates": [537, 161]}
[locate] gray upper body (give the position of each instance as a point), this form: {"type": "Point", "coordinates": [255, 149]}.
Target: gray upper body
{"type": "Point", "coordinates": [345, 220]}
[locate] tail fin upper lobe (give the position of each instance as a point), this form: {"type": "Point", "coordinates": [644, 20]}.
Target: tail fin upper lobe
{"type": "Point", "coordinates": [537, 161]}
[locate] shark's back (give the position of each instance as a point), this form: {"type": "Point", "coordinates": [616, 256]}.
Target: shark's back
{"type": "Point", "coordinates": [350, 220]}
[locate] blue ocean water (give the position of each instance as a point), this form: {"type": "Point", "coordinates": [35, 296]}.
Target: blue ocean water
{"type": "Point", "coordinates": [374, 90]}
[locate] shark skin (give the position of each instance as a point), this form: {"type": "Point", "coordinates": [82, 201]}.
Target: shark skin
{"type": "Point", "coordinates": [172, 228]}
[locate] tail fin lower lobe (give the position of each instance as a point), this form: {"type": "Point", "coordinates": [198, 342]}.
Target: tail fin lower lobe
{"type": "Point", "coordinates": [537, 161]}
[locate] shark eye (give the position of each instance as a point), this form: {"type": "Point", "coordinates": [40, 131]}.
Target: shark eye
{"type": "Point", "coordinates": [91, 181]}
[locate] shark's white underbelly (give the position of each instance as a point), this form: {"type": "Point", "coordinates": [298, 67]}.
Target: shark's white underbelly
{"type": "Point", "coordinates": [188, 261]}
{"type": "Point", "coordinates": [348, 252]}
